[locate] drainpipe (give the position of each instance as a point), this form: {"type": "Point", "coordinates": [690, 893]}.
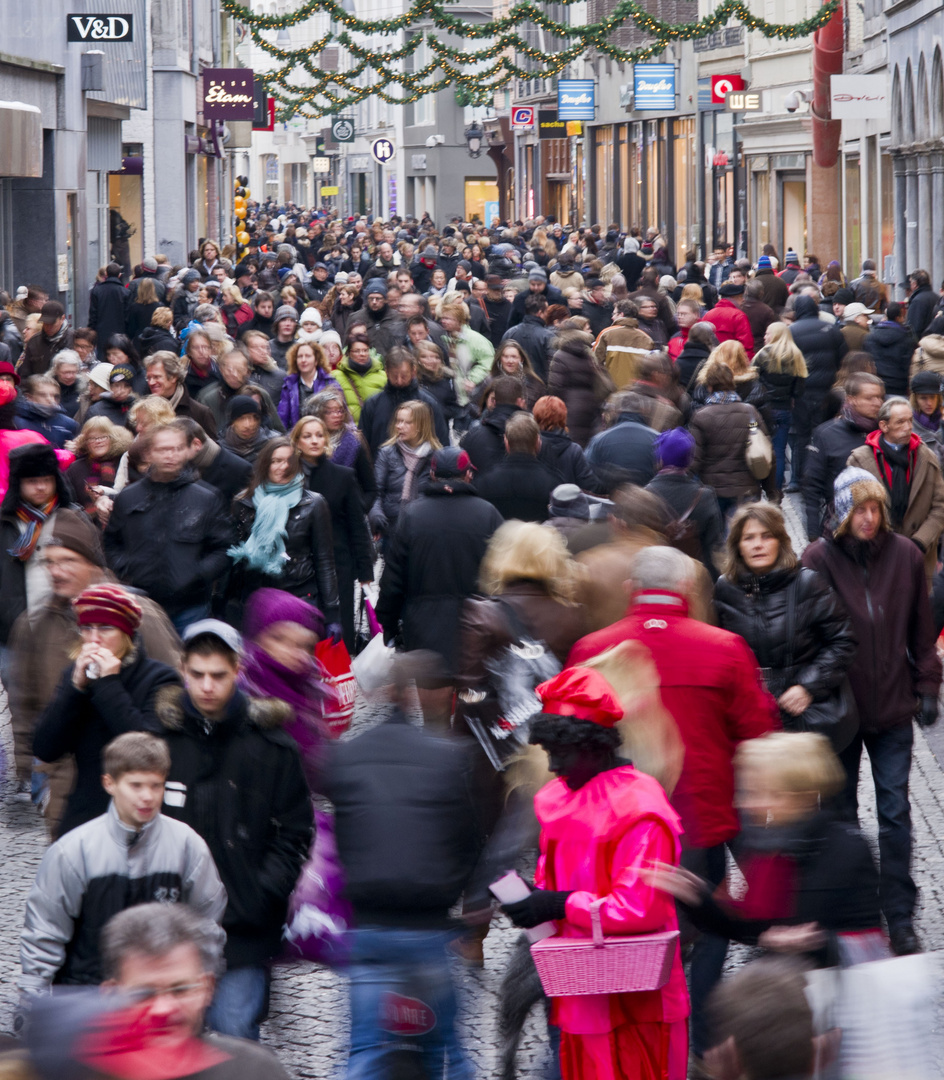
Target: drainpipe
{"type": "Point", "coordinates": [827, 61]}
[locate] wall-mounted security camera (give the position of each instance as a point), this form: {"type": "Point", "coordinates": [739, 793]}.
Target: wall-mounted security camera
{"type": "Point", "coordinates": [435, 140]}
{"type": "Point", "coordinates": [795, 99]}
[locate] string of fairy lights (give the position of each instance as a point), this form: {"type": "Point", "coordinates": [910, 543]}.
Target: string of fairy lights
{"type": "Point", "coordinates": [301, 88]}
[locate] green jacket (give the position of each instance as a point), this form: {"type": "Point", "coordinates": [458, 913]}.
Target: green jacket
{"type": "Point", "coordinates": [470, 356]}
{"type": "Point", "coordinates": [358, 388]}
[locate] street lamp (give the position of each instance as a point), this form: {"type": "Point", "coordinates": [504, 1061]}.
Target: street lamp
{"type": "Point", "coordinates": [474, 134]}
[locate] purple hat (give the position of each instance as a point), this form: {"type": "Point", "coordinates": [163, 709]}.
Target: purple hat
{"type": "Point", "coordinates": [675, 448]}
{"type": "Point", "coordinates": [268, 606]}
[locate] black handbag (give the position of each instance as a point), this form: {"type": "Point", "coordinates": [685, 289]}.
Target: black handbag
{"type": "Point", "coordinates": [836, 717]}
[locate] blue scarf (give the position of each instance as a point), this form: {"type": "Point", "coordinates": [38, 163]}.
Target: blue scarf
{"type": "Point", "coordinates": [722, 397]}
{"type": "Point", "coordinates": [265, 548]}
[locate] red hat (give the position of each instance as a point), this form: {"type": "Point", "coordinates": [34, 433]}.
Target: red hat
{"type": "Point", "coordinates": [108, 605]}
{"type": "Point", "coordinates": [6, 368]}
{"type": "Point", "coordinates": [582, 693]}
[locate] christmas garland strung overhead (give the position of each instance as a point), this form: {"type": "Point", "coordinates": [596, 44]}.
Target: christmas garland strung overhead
{"type": "Point", "coordinates": [301, 88]}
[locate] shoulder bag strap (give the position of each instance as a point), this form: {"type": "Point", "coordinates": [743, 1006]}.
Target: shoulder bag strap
{"type": "Point", "coordinates": [793, 590]}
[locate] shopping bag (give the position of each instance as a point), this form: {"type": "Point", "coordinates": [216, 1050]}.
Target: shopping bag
{"type": "Point", "coordinates": [319, 915]}
{"type": "Point", "coordinates": [368, 625]}
{"type": "Point", "coordinates": [374, 666]}
{"type": "Point", "coordinates": [336, 662]}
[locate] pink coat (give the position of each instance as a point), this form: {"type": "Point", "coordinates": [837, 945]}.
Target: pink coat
{"type": "Point", "coordinates": [596, 841]}
{"type": "Point", "coordinates": [10, 440]}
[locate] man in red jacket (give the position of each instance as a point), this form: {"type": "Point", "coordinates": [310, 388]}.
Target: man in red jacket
{"type": "Point", "coordinates": [895, 676]}
{"type": "Point", "coordinates": [712, 686]}
{"type": "Point", "coordinates": [730, 323]}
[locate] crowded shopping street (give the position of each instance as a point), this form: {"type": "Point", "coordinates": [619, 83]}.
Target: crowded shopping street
{"type": "Point", "coordinates": [471, 541]}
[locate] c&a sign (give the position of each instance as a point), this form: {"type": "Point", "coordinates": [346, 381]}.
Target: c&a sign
{"type": "Point", "coordinates": [228, 94]}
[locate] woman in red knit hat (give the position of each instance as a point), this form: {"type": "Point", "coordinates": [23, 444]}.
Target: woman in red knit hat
{"type": "Point", "coordinates": [108, 689]}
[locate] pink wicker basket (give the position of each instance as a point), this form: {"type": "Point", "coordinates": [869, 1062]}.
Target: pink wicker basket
{"type": "Point", "coordinates": [570, 967]}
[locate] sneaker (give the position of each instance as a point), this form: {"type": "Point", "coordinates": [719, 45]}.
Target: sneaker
{"type": "Point", "coordinates": [24, 791]}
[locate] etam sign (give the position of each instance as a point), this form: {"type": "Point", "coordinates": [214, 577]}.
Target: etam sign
{"type": "Point", "coordinates": [99, 28]}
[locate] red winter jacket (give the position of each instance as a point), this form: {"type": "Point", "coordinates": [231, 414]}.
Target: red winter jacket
{"type": "Point", "coordinates": [712, 686]}
{"type": "Point", "coordinates": [731, 324]}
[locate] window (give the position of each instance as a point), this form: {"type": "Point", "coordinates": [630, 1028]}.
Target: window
{"type": "Point", "coordinates": [424, 110]}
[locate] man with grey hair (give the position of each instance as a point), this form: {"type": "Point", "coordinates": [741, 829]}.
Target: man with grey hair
{"type": "Point", "coordinates": [165, 958]}
{"type": "Point", "coordinates": [713, 689]}
{"type": "Point", "coordinates": [911, 475]}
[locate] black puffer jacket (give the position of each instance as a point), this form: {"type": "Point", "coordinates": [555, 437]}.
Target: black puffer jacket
{"type": "Point", "coordinates": [823, 644]}
{"type": "Point", "coordinates": [827, 455]}
{"type": "Point", "coordinates": [309, 569]}
{"type": "Point", "coordinates": [390, 472]}
{"type": "Point", "coordinates": [169, 540]}
{"type": "Point", "coordinates": [782, 388]}
{"type": "Point", "coordinates": [485, 441]}
{"type": "Point", "coordinates": [564, 457]}
{"type": "Point", "coordinates": [83, 723]}
{"type": "Point", "coordinates": [432, 566]}
{"type": "Point", "coordinates": [408, 823]}
{"type": "Point", "coordinates": [720, 432]}
{"type": "Point", "coordinates": [891, 345]}
{"type": "Point", "coordinates": [245, 793]}
{"type": "Point", "coordinates": [822, 345]}
{"type": "Point", "coordinates": [688, 361]}
{"type": "Point", "coordinates": [380, 409]}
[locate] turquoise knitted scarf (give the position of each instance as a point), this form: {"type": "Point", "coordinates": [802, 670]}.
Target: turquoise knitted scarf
{"type": "Point", "coordinates": [265, 548]}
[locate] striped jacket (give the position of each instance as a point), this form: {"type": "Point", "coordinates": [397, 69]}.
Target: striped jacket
{"type": "Point", "coordinates": [620, 347]}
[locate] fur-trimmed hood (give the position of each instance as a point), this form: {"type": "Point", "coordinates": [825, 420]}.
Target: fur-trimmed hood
{"type": "Point", "coordinates": [267, 714]}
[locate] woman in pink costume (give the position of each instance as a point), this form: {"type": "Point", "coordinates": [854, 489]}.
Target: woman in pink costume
{"type": "Point", "coordinates": [603, 825]}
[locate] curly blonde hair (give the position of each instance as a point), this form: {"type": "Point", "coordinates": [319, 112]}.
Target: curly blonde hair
{"type": "Point", "coordinates": [526, 551]}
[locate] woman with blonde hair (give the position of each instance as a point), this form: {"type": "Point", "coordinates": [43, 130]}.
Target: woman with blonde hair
{"type": "Point", "coordinates": [402, 465]}
{"type": "Point", "coordinates": [792, 620]}
{"type": "Point", "coordinates": [782, 371]}
{"type": "Point", "coordinates": [308, 374]}
{"type": "Point", "coordinates": [99, 448]}
{"type": "Point", "coordinates": [747, 384]}
{"type": "Point", "coordinates": [143, 416]}
{"type": "Point", "coordinates": [812, 885]}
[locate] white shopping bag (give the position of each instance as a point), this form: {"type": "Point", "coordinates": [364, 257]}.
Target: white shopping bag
{"type": "Point", "coordinates": [374, 665]}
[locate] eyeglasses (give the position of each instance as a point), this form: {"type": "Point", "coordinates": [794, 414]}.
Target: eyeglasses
{"type": "Point", "coordinates": [98, 439]}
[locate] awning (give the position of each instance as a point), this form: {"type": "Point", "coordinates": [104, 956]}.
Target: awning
{"type": "Point", "coordinates": [21, 139]}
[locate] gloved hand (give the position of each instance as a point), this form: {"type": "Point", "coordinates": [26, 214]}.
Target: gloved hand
{"type": "Point", "coordinates": [541, 906]}
{"type": "Point", "coordinates": [927, 714]}
{"type": "Point", "coordinates": [333, 630]}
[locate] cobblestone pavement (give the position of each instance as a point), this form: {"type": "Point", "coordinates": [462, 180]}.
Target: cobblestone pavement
{"type": "Point", "coordinates": [308, 1020]}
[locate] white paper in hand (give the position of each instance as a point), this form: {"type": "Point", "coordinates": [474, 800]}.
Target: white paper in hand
{"type": "Point", "coordinates": [509, 890]}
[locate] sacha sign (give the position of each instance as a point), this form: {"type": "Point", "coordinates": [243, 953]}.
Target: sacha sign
{"type": "Point", "coordinates": [227, 94]}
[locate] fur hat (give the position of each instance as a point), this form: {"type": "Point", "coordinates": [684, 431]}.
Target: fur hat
{"type": "Point", "coordinates": [851, 489]}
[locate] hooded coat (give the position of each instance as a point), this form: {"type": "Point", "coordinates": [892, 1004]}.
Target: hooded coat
{"type": "Point", "coordinates": [891, 345]}
{"type": "Point", "coordinates": [241, 786]}
{"type": "Point", "coordinates": [359, 387]}
{"type": "Point", "coordinates": [485, 441]}
{"type": "Point", "coordinates": [620, 347]}
{"type": "Point", "coordinates": [574, 380]}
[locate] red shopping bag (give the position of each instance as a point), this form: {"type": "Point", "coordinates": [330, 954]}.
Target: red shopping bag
{"type": "Point", "coordinates": [336, 661]}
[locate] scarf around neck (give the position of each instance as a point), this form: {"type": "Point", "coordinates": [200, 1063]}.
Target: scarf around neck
{"type": "Point", "coordinates": [265, 547]}
{"type": "Point", "coordinates": [35, 518]}
{"type": "Point", "coordinates": [722, 397]}
{"type": "Point", "coordinates": [858, 421]}
{"type": "Point", "coordinates": [413, 458]}
{"type": "Point", "coordinates": [343, 446]}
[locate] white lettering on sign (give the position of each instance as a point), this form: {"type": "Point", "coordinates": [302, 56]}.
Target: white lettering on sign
{"type": "Point", "coordinates": [101, 28]}
{"type": "Point", "coordinates": [575, 99]}
{"type": "Point", "coordinates": [659, 86]}
{"type": "Point", "coordinates": [219, 94]}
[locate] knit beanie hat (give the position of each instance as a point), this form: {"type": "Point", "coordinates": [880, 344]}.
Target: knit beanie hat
{"type": "Point", "coordinates": [286, 311]}
{"type": "Point", "coordinates": [675, 448]}
{"type": "Point", "coordinates": [330, 337]}
{"type": "Point", "coordinates": [851, 489]}
{"type": "Point", "coordinates": [375, 285]}
{"type": "Point", "coordinates": [100, 375]}
{"type": "Point", "coordinates": [269, 606]}
{"type": "Point", "coordinates": [791, 258]}
{"type": "Point", "coordinates": [763, 263]}
{"type": "Point", "coordinates": [108, 605]}
{"type": "Point", "coordinates": [243, 405]}
{"type": "Point", "coordinates": [73, 530]}
{"type": "Point", "coordinates": [188, 277]}
{"type": "Point", "coordinates": [537, 274]}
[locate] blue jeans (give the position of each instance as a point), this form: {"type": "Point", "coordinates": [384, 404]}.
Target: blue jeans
{"type": "Point", "coordinates": [403, 1002]}
{"type": "Point", "coordinates": [241, 1002]}
{"type": "Point", "coordinates": [708, 951]}
{"type": "Point", "coordinates": [189, 615]}
{"type": "Point", "coordinates": [890, 757]}
{"type": "Point", "coordinates": [779, 437]}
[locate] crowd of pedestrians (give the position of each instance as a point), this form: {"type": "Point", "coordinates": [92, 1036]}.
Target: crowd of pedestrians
{"type": "Point", "coordinates": [557, 462]}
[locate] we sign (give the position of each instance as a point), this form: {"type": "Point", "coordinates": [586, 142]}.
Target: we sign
{"type": "Point", "coordinates": [99, 28]}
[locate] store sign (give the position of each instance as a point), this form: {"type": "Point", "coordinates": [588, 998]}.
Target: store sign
{"type": "Point", "coordinates": [576, 99]}
{"type": "Point", "coordinates": [522, 116]}
{"type": "Point", "coordinates": [320, 165]}
{"type": "Point", "coordinates": [382, 150]}
{"type": "Point", "coordinates": [342, 129]}
{"type": "Point", "coordinates": [722, 85]}
{"type": "Point", "coordinates": [329, 191]}
{"type": "Point", "coordinates": [654, 87]}
{"type": "Point", "coordinates": [99, 28]}
{"type": "Point", "coordinates": [742, 101]}
{"type": "Point", "coordinates": [858, 97]}
{"type": "Point", "coordinates": [228, 94]}
{"type": "Point", "coordinates": [550, 127]}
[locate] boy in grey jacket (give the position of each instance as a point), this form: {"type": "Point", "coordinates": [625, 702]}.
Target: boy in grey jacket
{"type": "Point", "coordinates": [129, 855]}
